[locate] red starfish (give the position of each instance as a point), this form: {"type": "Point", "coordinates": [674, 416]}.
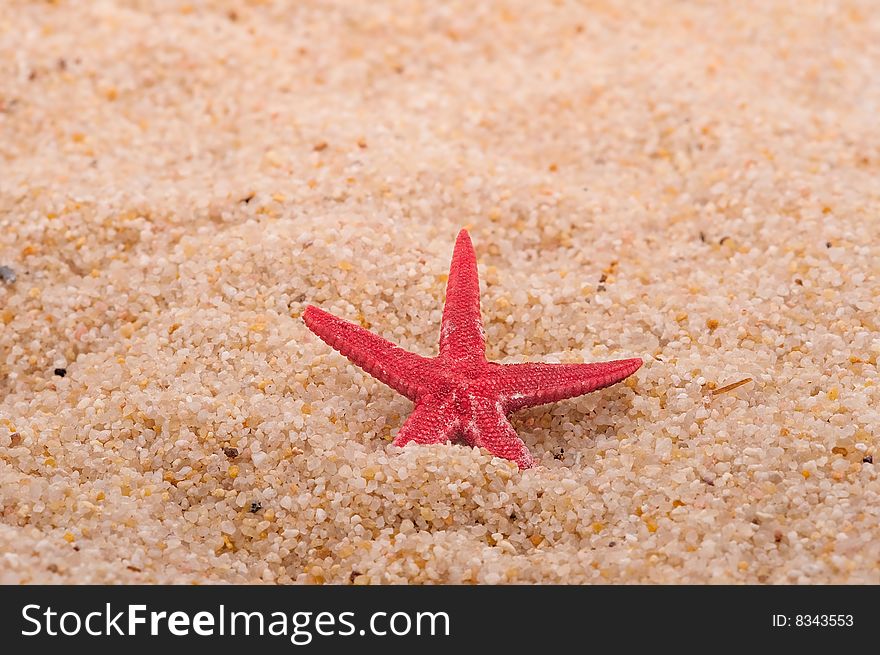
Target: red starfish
{"type": "Point", "coordinates": [458, 394]}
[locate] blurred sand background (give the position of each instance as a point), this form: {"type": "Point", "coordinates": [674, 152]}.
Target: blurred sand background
{"type": "Point", "coordinates": [695, 183]}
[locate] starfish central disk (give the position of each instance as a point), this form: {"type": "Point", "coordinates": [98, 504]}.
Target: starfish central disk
{"type": "Point", "coordinates": [459, 395]}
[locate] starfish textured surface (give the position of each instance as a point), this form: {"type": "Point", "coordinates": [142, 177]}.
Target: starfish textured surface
{"type": "Point", "coordinates": [459, 395]}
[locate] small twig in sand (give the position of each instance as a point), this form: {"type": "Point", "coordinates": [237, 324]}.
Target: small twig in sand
{"type": "Point", "coordinates": [730, 387]}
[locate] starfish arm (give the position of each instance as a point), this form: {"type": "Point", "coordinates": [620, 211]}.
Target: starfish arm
{"type": "Point", "coordinates": [430, 422]}
{"type": "Point", "coordinates": [461, 332]}
{"type": "Point", "coordinates": [491, 430]}
{"type": "Point", "coordinates": [531, 384]}
{"type": "Point", "coordinates": [401, 370]}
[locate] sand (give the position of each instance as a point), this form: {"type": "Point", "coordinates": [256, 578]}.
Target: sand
{"type": "Point", "coordinates": [690, 183]}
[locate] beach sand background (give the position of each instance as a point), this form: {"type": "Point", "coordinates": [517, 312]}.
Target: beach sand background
{"type": "Point", "coordinates": [692, 183]}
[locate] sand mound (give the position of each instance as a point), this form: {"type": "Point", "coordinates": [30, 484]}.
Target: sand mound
{"type": "Point", "coordinates": [692, 183]}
